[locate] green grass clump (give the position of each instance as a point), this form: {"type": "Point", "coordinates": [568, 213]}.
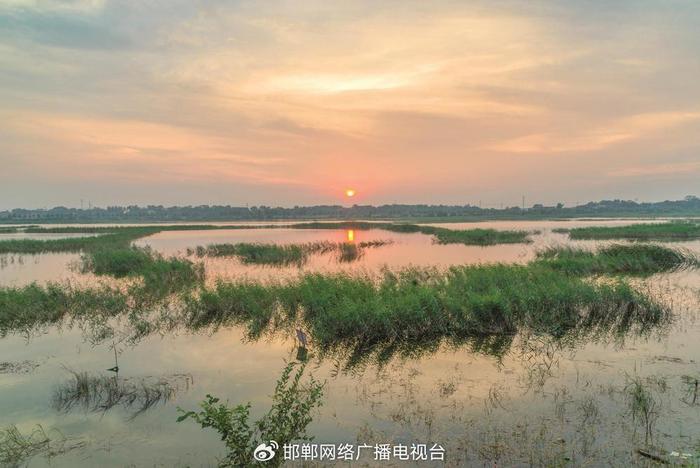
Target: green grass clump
{"type": "Point", "coordinates": [442, 235]}
{"type": "Point", "coordinates": [161, 276]}
{"type": "Point", "coordinates": [672, 231]}
{"type": "Point", "coordinates": [639, 259]}
{"type": "Point", "coordinates": [349, 252]}
{"type": "Point", "coordinates": [267, 254]}
{"type": "Point", "coordinates": [481, 236]}
{"type": "Point", "coordinates": [118, 262]}
{"type": "Point", "coordinates": [285, 254]}
{"type": "Point", "coordinates": [31, 306]}
{"type": "Point", "coordinates": [415, 305]}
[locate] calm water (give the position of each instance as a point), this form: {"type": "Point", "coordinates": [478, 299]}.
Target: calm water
{"type": "Point", "coordinates": [539, 397]}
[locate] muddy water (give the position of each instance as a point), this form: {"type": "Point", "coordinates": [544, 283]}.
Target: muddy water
{"type": "Point", "coordinates": [541, 399]}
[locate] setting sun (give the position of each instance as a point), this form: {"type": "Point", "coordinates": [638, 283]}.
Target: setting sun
{"type": "Point", "coordinates": [350, 193]}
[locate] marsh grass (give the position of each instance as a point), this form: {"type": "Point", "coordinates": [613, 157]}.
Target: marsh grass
{"type": "Point", "coordinates": [25, 308]}
{"type": "Point", "coordinates": [107, 238]}
{"type": "Point", "coordinates": [265, 254]}
{"type": "Point", "coordinates": [349, 252]}
{"type": "Point", "coordinates": [636, 259]}
{"type": "Point", "coordinates": [356, 314]}
{"type": "Point", "coordinates": [441, 235]}
{"type": "Point", "coordinates": [671, 231]}
{"type": "Point", "coordinates": [101, 393]}
{"type": "Point", "coordinates": [286, 254]}
{"type": "Point", "coordinates": [643, 405]}
{"type": "Point", "coordinates": [161, 276]}
{"type": "Point", "coordinates": [114, 238]}
{"type": "Point", "coordinates": [16, 447]}
{"type": "Point", "coordinates": [691, 390]}
{"type": "Point", "coordinates": [413, 308]}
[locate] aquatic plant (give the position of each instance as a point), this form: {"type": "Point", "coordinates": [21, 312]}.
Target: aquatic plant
{"type": "Point", "coordinates": [285, 254]}
{"type": "Point", "coordinates": [691, 390]}
{"type": "Point", "coordinates": [18, 367]}
{"type": "Point", "coordinates": [406, 311]}
{"type": "Point", "coordinates": [286, 421]}
{"type": "Point", "coordinates": [671, 231]}
{"type": "Point", "coordinates": [406, 308]}
{"type": "Point", "coordinates": [104, 237]}
{"type": "Point", "coordinates": [101, 393]}
{"type": "Point", "coordinates": [27, 307]}
{"type": "Point", "coordinates": [16, 447]}
{"type": "Point", "coordinates": [442, 235]}
{"type": "Point", "coordinates": [643, 405]}
{"type": "Point", "coordinates": [161, 276]}
{"type": "Point", "coordinates": [628, 259]}
{"type": "Point", "coordinates": [267, 254]}
{"type": "Point", "coordinates": [349, 252]}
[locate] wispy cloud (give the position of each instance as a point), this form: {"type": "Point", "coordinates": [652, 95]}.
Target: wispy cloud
{"type": "Point", "coordinates": [635, 127]}
{"type": "Point", "coordinates": [290, 100]}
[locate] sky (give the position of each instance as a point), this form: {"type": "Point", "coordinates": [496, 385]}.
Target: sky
{"type": "Point", "coordinates": [292, 102]}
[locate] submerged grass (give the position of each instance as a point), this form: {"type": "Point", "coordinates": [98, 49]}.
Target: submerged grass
{"type": "Point", "coordinates": [101, 393]}
{"type": "Point", "coordinates": [637, 259]}
{"type": "Point", "coordinates": [672, 231]}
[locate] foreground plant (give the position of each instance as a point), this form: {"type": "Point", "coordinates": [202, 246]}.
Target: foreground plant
{"type": "Point", "coordinates": [286, 421]}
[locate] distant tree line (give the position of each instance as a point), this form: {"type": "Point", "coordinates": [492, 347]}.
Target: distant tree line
{"type": "Point", "coordinates": [689, 206]}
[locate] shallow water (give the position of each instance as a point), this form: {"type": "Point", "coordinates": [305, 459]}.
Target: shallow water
{"type": "Point", "coordinates": [541, 399]}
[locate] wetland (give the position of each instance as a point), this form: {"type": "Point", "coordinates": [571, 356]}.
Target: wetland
{"type": "Point", "coordinates": [515, 343]}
